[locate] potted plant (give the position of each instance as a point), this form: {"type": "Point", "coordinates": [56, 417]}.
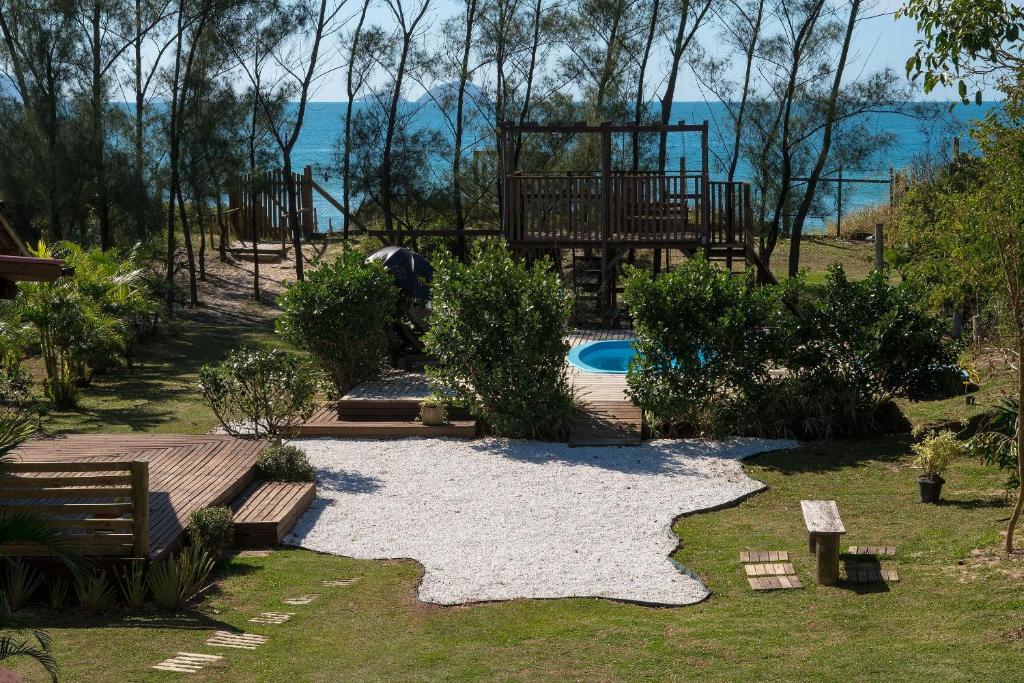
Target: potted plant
{"type": "Point", "coordinates": [433, 411]}
{"type": "Point", "coordinates": [933, 455]}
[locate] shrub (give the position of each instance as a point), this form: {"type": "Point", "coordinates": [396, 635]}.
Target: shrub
{"type": "Point", "coordinates": [132, 582]}
{"type": "Point", "coordinates": [705, 343]}
{"type": "Point", "coordinates": [873, 336]}
{"type": "Point", "coordinates": [176, 580]}
{"type": "Point", "coordinates": [342, 314]}
{"type": "Point", "coordinates": [284, 463]}
{"type": "Point", "coordinates": [995, 442]}
{"type": "Point", "coordinates": [212, 528]}
{"type": "Point", "coordinates": [20, 583]}
{"type": "Point", "coordinates": [95, 592]}
{"type": "Point", "coordinates": [56, 592]}
{"type": "Point", "coordinates": [498, 331]}
{"type": "Point", "coordinates": [935, 452]}
{"type": "Point", "coordinates": [262, 392]}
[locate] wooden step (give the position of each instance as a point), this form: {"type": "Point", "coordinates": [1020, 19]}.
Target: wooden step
{"type": "Point", "coordinates": [403, 409]}
{"type": "Point", "coordinates": [267, 511]}
{"type": "Point", "coordinates": [385, 429]}
{"type": "Point", "coordinates": [607, 423]}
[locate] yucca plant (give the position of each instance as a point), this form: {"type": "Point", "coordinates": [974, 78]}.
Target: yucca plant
{"type": "Point", "coordinates": [95, 592]}
{"type": "Point", "coordinates": [56, 592]}
{"type": "Point", "coordinates": [175, 581]}
{"type": "Point", "coordinates": [20, 583]}
{"type": "Point", "coordinates": [11, 647]}
{"type": "Point", "coordinates": [132, 581]}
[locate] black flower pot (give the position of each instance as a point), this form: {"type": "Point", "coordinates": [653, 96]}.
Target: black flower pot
{"type": "Point", "coordinates": [931, 488]}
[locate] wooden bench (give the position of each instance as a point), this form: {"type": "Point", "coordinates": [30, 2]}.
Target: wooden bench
{"type": "Point", "coordinates": [824, 528]}
{"type": "Point", "coordinates": [267, 511]}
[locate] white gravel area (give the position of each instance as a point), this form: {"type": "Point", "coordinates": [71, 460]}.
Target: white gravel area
{"type": "Point", "coordinates": [499, 520]}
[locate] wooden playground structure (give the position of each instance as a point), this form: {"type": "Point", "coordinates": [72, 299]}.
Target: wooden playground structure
{"type": "Point", "coordinates": [590, 222]}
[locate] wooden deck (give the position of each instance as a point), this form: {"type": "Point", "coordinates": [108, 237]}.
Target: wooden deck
{"type": "Point", "coordinates": [186, 472]}
{"type": "Point", "coordinates": [267, 511]}
{"type": "Point", "coordinates": [393, 423]}
{"type": "Point", "coordinates": [609, 418]}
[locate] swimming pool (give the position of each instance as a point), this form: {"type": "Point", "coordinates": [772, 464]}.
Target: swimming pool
{"type": "Point", "coordinates": [610, 356]}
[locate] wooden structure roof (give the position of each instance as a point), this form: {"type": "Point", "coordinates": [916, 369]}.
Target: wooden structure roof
{"type": "Point", "coordinates": [16, 265]}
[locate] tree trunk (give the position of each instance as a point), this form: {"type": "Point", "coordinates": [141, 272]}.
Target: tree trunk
{"type": "Point", "coordinates": [641, 103]}
{"type": "Point", "coordinates": [294, 228]}
{"type": "Point", "coordinates": [186, 229]}
{"type": "Point", "coordinates": [98, 131]}
{"type": "Point", "coordinates": [460, 217]}
{"type": "Point", "coordinates": [1019, 506]}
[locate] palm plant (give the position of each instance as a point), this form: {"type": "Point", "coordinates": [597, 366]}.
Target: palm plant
{"type": "Point", "coordinates": [10, 647]}
{"type": "Point", "coordinates": [995, 443]}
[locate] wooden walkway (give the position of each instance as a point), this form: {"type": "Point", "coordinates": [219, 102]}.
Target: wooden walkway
{"type": "Point", "coordinates": [609, 418]}
{"type": "Point", "coordinates": [186, 472]}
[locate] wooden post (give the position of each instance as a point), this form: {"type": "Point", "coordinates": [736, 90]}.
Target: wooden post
{"type": "Point", "coordinates": [826, 555]}
{"type": "Point", "coordinates": [140, 507]}
{"type": "Point", "coordinates": [503, 155]}
{"type": "Point", "coordinates": [606, 215]}
{"type": "Point", "coordinates": [839, 204]}
{"type": "Point", "coordinates": [306, 191]}
{"type": "Point", "coordinates": [879, 248]}
{"type": "Point", "coordinates": [705, 178]}
{"type": "Point", "coordinates": [956, 148]}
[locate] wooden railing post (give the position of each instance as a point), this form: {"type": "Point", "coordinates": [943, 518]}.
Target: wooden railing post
{"type": "Point", "coordinates": [140, 507]}
{"type": "Point", "coordinates": [606, 217]}
{"type": "Point", "coordinates": [308, 217]}
{"type": "Point", "coordinates": [705, 178]}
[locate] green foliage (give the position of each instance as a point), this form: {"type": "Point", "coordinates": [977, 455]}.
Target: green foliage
{"type": "Point", "coordinates": [705, 344]}
{"type": "Point", "coordinates": [95, 592]}
{"type": "Point", "coordinates": [176, 580]}
{"type": "Point", "coordinates": [80, 323]}
{"type": "Point", "coordinates": [262, 392]}
{"type": "Point", "coordinates": [934, 454]}
{"type": "Point", "coordinates": [498, 330]}
{"type": "Point", "coordinates": [284, 463]}
{"type": "Point", "coordinates": [342, 315]}
{"type": "Point", "coordinates": [56, 591]}
{"type": "Point", "coordinates": [132, 582]}
{"type": "Point", "coordinates": [212, 528]}
{"type": "Point", "coordinates": [963, 41]}
{"type": "Point", "coordinates": [995, 442]}
{"type": "Point", "coordinates": [10, 648]}
{"type": "Point", "coordinates": [873, 336]}
{"type": "Point", "coordinates": [21, 582]}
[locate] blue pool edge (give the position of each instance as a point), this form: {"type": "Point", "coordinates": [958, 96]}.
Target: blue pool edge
{"type": "Point", "coordinates": [574, 358]}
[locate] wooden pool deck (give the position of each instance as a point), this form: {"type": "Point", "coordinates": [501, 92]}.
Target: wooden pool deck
{"type": "Point", "coordinates": [186, 472]}
{"type": "Point", "coordinates": [608, 418]}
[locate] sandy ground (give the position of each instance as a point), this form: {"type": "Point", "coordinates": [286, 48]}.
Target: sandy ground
{"type": "Point", "coordinates": [498, 520]}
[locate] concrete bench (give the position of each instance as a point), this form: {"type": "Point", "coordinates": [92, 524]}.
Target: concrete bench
{"type": "Point", "coordinates": [824, 528]}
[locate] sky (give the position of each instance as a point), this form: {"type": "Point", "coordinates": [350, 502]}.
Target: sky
{"type": "Point", "coordinates": [880, 41]}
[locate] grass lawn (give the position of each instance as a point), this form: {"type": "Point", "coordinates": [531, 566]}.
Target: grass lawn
{"type": "Point", "coordinates": [945, 620]}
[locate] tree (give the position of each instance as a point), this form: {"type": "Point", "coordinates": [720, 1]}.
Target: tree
{"type": "Point", "coordinates": [965, 42]}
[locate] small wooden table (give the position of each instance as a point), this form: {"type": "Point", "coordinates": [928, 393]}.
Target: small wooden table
{"type": "Point", "coordinates": [824, 527]}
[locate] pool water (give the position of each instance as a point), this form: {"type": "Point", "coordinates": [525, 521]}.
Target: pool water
{"type": "Point", "coordinates": [611, 356]}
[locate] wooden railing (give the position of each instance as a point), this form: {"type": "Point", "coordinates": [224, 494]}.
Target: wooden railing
{"type": "Point", "coordinates": [99, 508]}
{"type": "Point", "coordinates": [646, 208]}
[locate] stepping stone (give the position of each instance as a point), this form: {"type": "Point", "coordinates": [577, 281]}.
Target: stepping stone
{"type": "Point", "coordinates": [337, 583]}
{"type": "Point", "coordinates": [869, 572]}
{"type": "Point", "coordinates": [772, 583]}
{"type": "Point", "coordinates": [242, 641]}
{"type": "Point", "coordinates": [253, 553]}
{"type": "Point", "coordinates": [301, 600]}
{"type": "Point", "coordinates": [186, 662]}
{"type": "Point", "coordinates": [272, 617]}
{"type": "Point", "coordinates": [887, 550]}
{"type": "Point", "coordinates": [764, 556]}
{"type": "Point", "coordinates": [771, 569]}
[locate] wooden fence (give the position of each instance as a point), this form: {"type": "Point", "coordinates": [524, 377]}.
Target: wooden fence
{"type": "Point", "coordinates": [99, 508]}
{"type": "Point", "coordinates": [263, 198]}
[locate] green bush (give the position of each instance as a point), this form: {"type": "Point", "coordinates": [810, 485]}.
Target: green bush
{"type": "Point", "coordinates": [95, 592]}
{"type": "Point", "coordinates": [263, 392]}
{"type": "Point", "coordinates": [284, 463]}
{"type": "Point", "coordinates": [498, 330]}
{"type": "Point", "coordinates": [212, 528]}
{"type": "Point", "coordinates": [21, 582]}
{"type": "Point", "coordinates": [342, 314]}
{"type": "Point", "coordinates": [856, 345]}
{"type": "Point", "coordinates": [705, 343]}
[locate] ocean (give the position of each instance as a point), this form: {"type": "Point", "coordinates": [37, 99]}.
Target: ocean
{"type": "Point", "coordinates": [926, 132]}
